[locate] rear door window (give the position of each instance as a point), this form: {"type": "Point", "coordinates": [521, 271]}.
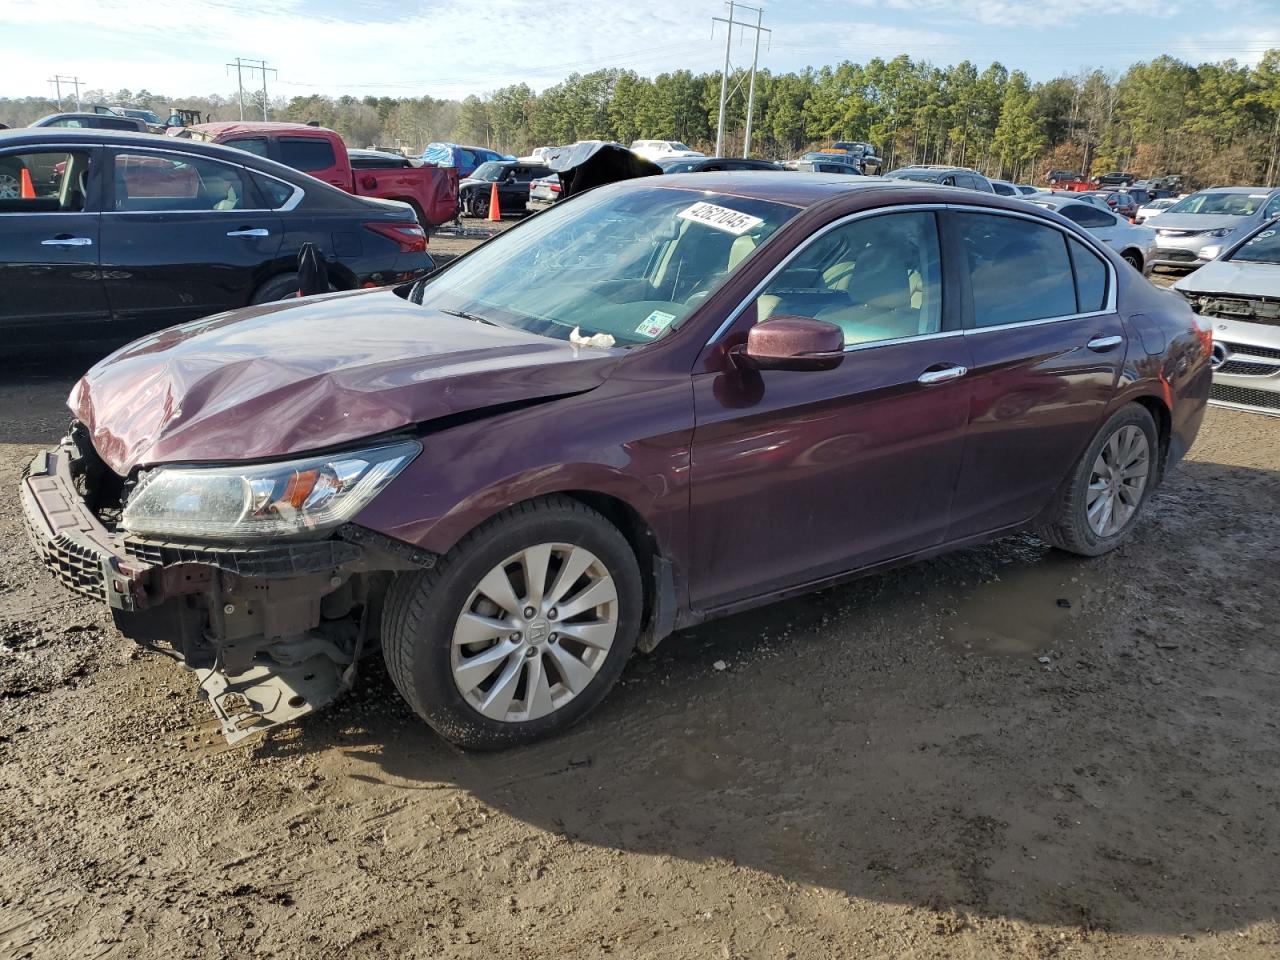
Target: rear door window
{"type": "Point", "coordinates": [307, 154]}
{"type": "Point", "coordinates": [1019, 270]}
{"type": "Point", "coordinates": [255, 145]}
{"type": "Point", "coordinates": [161, 182]}
{"type": "Point", "coordinates": [1087, 215]}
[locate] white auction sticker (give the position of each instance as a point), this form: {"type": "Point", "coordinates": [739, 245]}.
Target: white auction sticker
{"type": "Point", "coordinates": [720, 218]}
{"type": "Point", "coordinates": [653, 325]}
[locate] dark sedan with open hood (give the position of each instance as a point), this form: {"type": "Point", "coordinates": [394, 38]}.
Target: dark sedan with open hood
{"type": "Point", "coordinates": [661, 401]}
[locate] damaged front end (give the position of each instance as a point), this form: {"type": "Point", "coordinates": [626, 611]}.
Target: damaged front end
{"type": "Point", "coordinates": [272, 627]}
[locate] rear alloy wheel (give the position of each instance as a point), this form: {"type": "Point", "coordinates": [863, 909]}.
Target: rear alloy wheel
{"type": "Point", "coordinates": [519, 630]}
{"type": "Point", "coordinates": [1132, 259]}
{"type": "Point", "coordinates": [1108, 487]}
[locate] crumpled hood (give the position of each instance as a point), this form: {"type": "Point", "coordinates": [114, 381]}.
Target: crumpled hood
{"type": "Point", "coordinates": [1198, 222]}
{"type": "Point", "coordinates": [1234, 276]}
{"type": "Point", "coordinates": [288, 378]}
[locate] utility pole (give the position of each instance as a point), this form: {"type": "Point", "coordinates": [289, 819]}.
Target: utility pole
{"type": "Point", "coordinates": [724, 80]}
{"type": "Point", "coordinates": [244, 63]}
{"type": "Point", "coordinates": [58, 80]}
{"type": "Point", "coordinates": [751, 92]}
{"type": "Point", "coordinates": [724, 76]}
{"type": "Point", "coordinates": [239, 84]}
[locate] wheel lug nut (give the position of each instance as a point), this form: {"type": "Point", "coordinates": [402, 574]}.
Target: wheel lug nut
{"type": "Point", "coordinates": [531, 652]}
{"type": "Point", "coordinates": [529, 612]}
{"type": "Point", "coordinates": [552, 613]}
{"type": "Point", "coordinates": [514, 638]}
{"type": "Point", "coordinates": [553, 638]}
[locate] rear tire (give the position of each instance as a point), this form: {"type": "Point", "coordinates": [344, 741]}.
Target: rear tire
{"type": "Point", "coordinates": [277, 288]}
{"type": "Point", "coordinates": [518, 680]}
{"type": "Point", "coordinates": [1075, 525]}
{"type": "Point", "coordinates": [1132, 259]}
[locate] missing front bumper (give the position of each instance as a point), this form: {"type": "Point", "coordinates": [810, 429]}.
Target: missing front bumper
{"type": "Point", "coordinates": [272, 632]}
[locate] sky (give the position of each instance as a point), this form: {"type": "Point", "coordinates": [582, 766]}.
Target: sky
{"type": "Point", "coordinates": [451, 49]}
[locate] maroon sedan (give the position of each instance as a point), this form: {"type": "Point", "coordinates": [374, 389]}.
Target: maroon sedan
{"type": "Point", "coordinates": [659, 402]}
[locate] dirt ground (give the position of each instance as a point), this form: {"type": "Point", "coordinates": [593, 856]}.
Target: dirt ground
{"type": "Point", "coordinates": [886, 769]}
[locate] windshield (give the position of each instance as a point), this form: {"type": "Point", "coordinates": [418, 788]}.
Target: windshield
{"type": "Point", "coordinates": [1262, 247]}
{"type": "Point", "coordinates": [627, 262]}
{"type": "Point", "coordinates": [1222, 204]}
{"type": "Point", "coordinates": [146, 115]}
{"type": "Point", "coordinates": [488, 171]}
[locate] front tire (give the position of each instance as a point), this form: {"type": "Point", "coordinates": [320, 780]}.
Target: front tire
{"type": "Point", "coordinates": [1111, 482]}
{"type": "Point", "coordinates": [520, 630]}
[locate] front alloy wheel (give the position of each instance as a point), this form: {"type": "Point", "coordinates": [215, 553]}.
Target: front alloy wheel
{"type": "Point", "coordinates": [520, 629]}
{"type": "Point", "coordinates": [534, 632]}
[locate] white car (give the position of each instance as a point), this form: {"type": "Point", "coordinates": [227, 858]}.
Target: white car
{"type": "Point", "coordinates": [1239, 293]}
{"type": "Point", "coordinates": [656, 150]}
{"type": "Point", "coordinates": [1135, 244]}
{"type": "Point", "coordinates": [1149, 210]}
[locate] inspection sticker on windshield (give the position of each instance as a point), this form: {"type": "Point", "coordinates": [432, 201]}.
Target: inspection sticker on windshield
{"type": "Point", "coordinates": [720, 218]}
{"type": "Point", "coordinates": [653, 325]}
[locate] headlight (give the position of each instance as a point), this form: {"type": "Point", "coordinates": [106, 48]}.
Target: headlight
{"type": "Point", "coordinates": [1220, 232]}
{"type": "Point", "coordinates": [1211, 251]}
{"type": "Point", "coordinates": [289, 499]}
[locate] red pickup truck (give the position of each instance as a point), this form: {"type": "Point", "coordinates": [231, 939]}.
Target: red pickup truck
{"type": "Point", "coordinates": [431, 191]}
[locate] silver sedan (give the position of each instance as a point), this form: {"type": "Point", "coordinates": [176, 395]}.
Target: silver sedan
{"type": "Point", "coordinates": [1134, 243]}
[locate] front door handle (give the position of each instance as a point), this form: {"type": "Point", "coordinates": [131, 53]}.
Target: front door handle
{"type": "Point", "coordinates": [1103, 344]}
{"type": "Point", "coordinates": [950, 372]}
{"type": "Point", "coordinates": [255, 232]}
{"type": "Point", "coordinates": [65, 241]}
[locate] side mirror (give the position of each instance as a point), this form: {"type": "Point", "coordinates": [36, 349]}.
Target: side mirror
{"type": "Point", "coordinates": [790, 343]}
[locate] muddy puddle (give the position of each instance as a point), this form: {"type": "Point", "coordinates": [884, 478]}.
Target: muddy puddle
{"type": "Point", "coordinates": [1025, 609]}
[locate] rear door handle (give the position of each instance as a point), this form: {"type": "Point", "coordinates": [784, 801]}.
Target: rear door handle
{"type": "Point", "coordinates": [255, 232]}
{"type": "Point", "coordinates": [1103, 344]}
{"type": "Point", "coordinates": [952, 372]}
{"type": "Point", "coordinates": [67, 242]}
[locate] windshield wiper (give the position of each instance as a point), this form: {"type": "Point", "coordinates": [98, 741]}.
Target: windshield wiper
{"type": "Point", "coordinates": [469, 316]}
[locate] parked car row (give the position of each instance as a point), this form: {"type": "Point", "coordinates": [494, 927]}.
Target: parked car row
{"type": "Point", "coordinates": [825, 375]}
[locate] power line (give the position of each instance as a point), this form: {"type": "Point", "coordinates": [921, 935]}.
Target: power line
{"type": "Point", "coordinates": [724, 77]}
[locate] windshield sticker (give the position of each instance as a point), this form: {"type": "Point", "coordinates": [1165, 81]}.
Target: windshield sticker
{"type": "Point", "coordinates": [720, 218]}
{"type": "Point", "coordinates": [1263, 236]}
{"type": "Point", "coordinates": [654, 324]}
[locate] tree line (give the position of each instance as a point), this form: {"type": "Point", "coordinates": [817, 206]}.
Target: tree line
{"type": "Point", "coordinates": [1212, 122]}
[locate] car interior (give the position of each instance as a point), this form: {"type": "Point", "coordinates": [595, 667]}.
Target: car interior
{"type": "Point", "coordinates": [876, 279]}
{"type": "Point", "coordinates": [58, 180]}
{"type": "Point", "coordinates": [158, 183]}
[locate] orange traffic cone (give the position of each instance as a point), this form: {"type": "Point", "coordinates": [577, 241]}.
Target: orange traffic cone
{"type": "Point", "coordinates": [495, 211]}
{"type": "Point", "coordinates": [28, 189]}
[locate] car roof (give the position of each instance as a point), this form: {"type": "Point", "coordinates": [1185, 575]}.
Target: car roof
{"type": "Point", "coordinates": [86, 113]}
{"type": "Point", "coordinates": [1237, 190]}
{"type": "Point", "coordinates": [798, 189]}
{"type": "Point", "coordinates": [220, 127]}
{"type": "Point", "coordinates": [1056, 200]}
{"type": "Point", "coordinates": [70, 136]}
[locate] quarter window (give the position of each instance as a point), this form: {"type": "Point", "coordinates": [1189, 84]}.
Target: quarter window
{"type": "Point", "coordinates": [43, 182]}
{"type": "Point", "coordinates": [276, 192]}
{"type": "Point", "coordinates": [306, 153]}
{"type": "Point", "coordinates": [152, 182]}
{"type": "Point", "coordinates": [1018, 270]}
{"type": "Point", "coordinates": [1091, 278]}
{"type": "Point", "coordinates": [877, 279]}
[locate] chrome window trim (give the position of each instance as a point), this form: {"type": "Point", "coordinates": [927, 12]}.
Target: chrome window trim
{"type": "Point", "coordinates": [1082, 236]}
{"type": "Point", "coordinates": [294, 199]}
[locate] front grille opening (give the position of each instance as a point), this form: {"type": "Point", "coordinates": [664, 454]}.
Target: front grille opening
{"type": "Point", "coordinates": [100, 486]}
{"type": "Point", "coordinates": [1245, 397]}
{"type": "Point", "coordinates": [1243, 368]}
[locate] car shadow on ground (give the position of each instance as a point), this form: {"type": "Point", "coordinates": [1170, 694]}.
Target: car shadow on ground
{"type": "Point", "coordinates": [1110, 772]}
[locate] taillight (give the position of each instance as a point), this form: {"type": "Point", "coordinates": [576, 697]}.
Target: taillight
{"type": "Point", "coordinates": [410, 237]}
